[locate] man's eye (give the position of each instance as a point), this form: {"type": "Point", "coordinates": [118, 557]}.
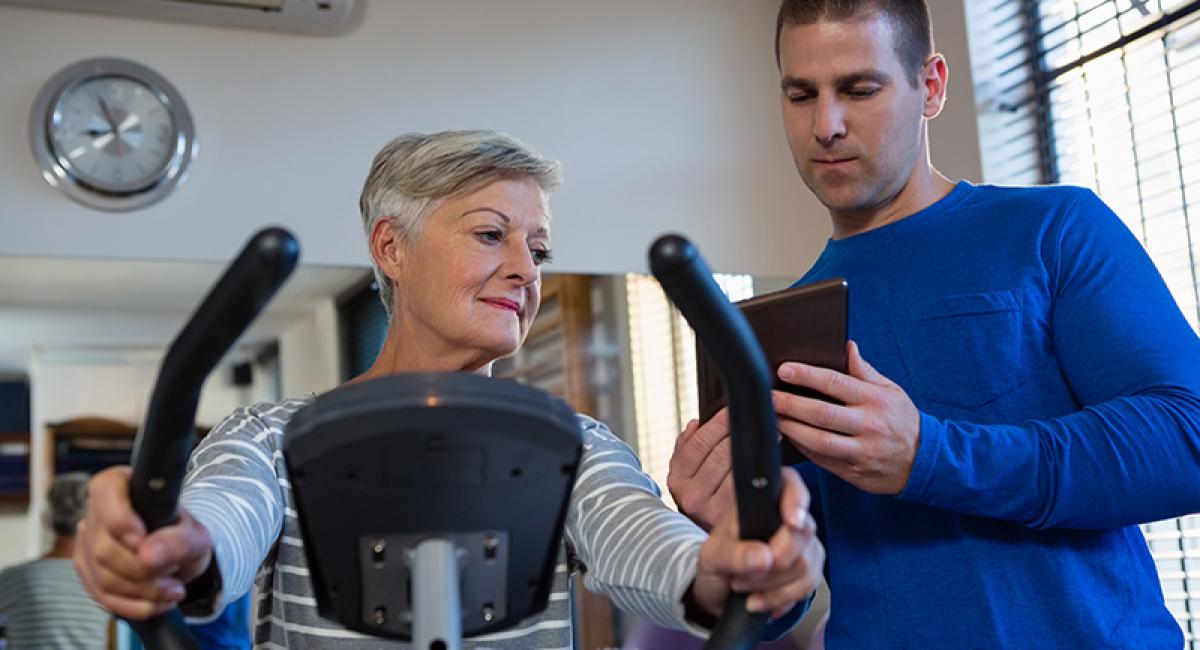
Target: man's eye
{"type": "Point", "coordinates": [799, 98]}
{"type": "Point", "coordinates": [862, 93]}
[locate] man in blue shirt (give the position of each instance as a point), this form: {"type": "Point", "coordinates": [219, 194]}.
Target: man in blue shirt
{"type": "Point", "coordinates": [1033, 391]}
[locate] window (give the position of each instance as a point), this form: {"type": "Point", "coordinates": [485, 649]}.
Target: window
{"type": "Point", "coordinates": [663, 352]}
{"type": "Point", "coordinates": [1104, 94]}
{"type": "Point", "coordinates": [362, 326]}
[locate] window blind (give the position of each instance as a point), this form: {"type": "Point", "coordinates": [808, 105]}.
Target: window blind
{"type": "Point", "coordinates": [662, 349]}
{"type": "Point", "coordinates": [1103, 94]}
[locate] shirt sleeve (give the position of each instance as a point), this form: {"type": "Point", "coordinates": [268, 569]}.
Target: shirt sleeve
{"type": "Point", "coordinates": [1131, 453]}
{"type": "Point", "coordinates": [233, 489]}
{"type": "Point", "coordinates": [632, 547]}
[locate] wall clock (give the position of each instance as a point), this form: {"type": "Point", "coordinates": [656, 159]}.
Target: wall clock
{"type": "Point", "coordinates": [111, 134]}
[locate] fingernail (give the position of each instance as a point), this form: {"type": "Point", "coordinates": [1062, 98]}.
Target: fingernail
{"type": "Point", "coordinates": [799, 516]}
{"type": "Point", "coordinates": [176, 592]}
{"type": "Point", "coordinates": [786, 371]}
{"type": "Point", "coordinates": [755, 605]}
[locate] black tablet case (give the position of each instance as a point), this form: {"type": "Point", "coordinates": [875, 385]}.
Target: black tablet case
{"type": "Point", "coordinates": [806, 323]}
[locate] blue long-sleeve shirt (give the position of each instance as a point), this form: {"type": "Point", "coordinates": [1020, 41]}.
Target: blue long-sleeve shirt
{"type": "Point", "coordinates": [1059, 390]}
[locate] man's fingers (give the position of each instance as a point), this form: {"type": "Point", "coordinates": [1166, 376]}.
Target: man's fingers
{"type": "Point", "coordinates": [860, 369]}
{"type": "Point", "coordinates": [684, 436]}
{"type": "Point", "coordinates": [842, 387]}
{"type": "Point", "coordinates": [820, 444]}
{"type": "Point", "coordinates": [690, 454]}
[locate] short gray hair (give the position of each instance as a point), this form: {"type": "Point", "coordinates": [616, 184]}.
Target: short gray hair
{"type": "Point", "coordinates": [66, 502]}
{"type": "Point", "coordinates": [415, 172]}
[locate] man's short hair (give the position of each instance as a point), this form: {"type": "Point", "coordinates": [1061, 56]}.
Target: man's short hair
{"type": "Point", "coordinates": [910, 20]}
{"type": "Point", "coordinates": [66, 502]}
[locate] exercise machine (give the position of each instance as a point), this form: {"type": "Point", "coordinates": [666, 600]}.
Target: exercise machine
{"type": "Point", "coordinates": [406, 485]}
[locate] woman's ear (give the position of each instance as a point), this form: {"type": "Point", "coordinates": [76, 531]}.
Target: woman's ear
{"type": "Point", "coordinates": [387, 247]}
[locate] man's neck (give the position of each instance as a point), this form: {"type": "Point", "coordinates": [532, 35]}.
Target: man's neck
{"type": "Point", "coordinates": [923, 188]}
{"type": "Point", "coordinates": [63, 548]}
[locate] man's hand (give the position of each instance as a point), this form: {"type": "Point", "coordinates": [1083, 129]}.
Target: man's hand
{"type": "Point", "coordinates": [870, 442]}
{"type": "Point", "coordinates": [130, 573]}
{"type": "Point", "coordinates": [699, 475]}
{"type": "Point", "coordinates": [777, 574]}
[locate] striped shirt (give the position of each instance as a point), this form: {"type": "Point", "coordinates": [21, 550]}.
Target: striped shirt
{"type": "Point", "coordinates": [619, 536]}
{"type": "Point", "coordinates": [46, 607]}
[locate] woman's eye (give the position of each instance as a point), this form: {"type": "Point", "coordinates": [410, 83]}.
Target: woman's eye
{"type": "Point", "coordinates": [490, 236]}
{"type": "Point", "coordinates": [541, 256]}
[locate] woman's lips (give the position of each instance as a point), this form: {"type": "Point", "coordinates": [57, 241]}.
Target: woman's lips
{"type": "Point", "coordinates": [504, 303]}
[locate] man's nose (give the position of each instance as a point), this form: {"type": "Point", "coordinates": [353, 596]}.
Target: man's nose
{"type": "Point", "coordinates": [829, 120]}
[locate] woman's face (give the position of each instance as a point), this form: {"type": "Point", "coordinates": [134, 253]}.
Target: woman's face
{"type": "Point", "coordinates": [468, 284]}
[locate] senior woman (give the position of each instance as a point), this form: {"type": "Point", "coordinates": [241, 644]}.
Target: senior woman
{"type": "Point", "coordinates": [458, 228]}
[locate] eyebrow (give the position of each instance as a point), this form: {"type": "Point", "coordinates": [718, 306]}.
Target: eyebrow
{"type": "Point", "coordinates": [867, 76]}
{"type": "Point", "coordinates": [540, 231]}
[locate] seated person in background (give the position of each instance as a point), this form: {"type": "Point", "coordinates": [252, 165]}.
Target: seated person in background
{"type": "Point", "coordinates": [42, 600]}
{"type": "Point", "coordinates": [458, 226]}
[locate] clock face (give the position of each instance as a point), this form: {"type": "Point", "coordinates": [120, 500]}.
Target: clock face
{"type": "Point", "coordinates": [113, 133]}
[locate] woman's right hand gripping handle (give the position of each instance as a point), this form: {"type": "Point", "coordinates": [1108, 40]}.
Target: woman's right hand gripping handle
{"type": "Point", "coordinates": [132, 574]}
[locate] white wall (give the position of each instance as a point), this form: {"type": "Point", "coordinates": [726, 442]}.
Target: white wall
{"type": "Point", "coordinates": [664, 113]}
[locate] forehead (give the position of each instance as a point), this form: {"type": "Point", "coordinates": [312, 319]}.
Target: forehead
{"type": "Point", "coordinates": [828, 49]}
{"type": "Point", "coordinates": [521, 201]}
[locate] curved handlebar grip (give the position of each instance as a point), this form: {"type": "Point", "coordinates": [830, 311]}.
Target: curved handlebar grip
{"type": "Point", "coordinates": [725, 334]}
{"type": "Point", "coordinates": [165, 441]}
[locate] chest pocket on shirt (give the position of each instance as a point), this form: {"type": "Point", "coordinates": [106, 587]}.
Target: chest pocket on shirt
{"type": "Point", "coordinates": [964, 350]}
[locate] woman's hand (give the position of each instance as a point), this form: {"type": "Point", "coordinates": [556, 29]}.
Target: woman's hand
{"type": "Point", "coordinates": [777, 574]}
{"type": "Point", "coordinates": [132, 574]}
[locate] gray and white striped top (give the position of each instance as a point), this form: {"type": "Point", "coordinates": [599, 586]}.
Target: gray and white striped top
{"type": "Point", "coordinates": [46, 607]}
{"type": "Point", "coordinates": [629, 546]}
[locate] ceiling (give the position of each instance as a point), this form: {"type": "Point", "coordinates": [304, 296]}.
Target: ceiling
{"type": "Point", "coordinates": [48, 303]}
{"type": "Point", "coordinates": [148, 286]}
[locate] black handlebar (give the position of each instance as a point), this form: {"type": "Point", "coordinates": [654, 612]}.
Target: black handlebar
{"type": "Point", "coordinates": [725, 334]}
{"type": "Point", "coordinates": [165, 441]}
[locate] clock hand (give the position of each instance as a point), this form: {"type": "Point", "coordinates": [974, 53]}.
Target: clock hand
{"type": "Point", "coordinates": [131, 121]}
{"type": "Point", "coordinates": [108, 116]}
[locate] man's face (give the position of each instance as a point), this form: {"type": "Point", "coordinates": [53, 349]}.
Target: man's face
{"type": "Point", "coordinates": [854, 120]}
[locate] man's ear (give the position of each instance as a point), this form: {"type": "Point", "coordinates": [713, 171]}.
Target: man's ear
{"type": "Point", "coordinates": [387, 247]}
{"type": "Point", "coordinates": [935, 74]}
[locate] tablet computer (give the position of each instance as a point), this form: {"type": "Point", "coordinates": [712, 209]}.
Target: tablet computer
{"type": "Point", "coordinates": [806, 323]}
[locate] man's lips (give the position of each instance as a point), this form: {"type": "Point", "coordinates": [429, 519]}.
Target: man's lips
{"type": "Point", "coordinates": [504, 303]}
{"type": "Point", "coordinates": [833, 162]}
